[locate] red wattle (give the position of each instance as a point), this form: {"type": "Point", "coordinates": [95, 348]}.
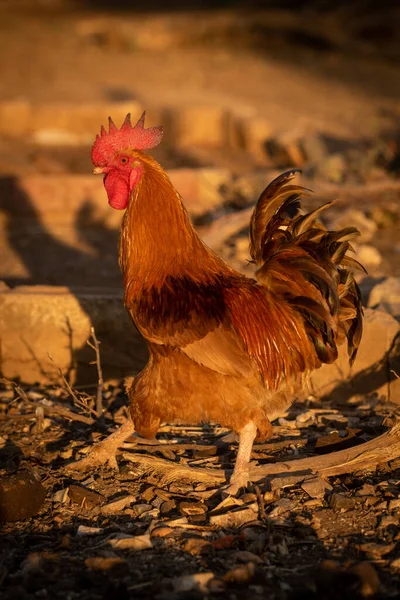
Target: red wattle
{"type": "Point", "coordinates": [118, 191]}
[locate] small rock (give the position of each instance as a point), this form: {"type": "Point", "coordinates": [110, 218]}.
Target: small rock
{"type": "Point", "coordinates": [376, 550]}
{"type": "Point", "coordinates": [366, 490]}
{"type": "Point", "coordinates": [305, 419]}
{"type": "Point", "coordinates": [129, 542]}
{"type": "Point", "coordinates": [395, 564]}
{"type": "Point", "coordinates": [368, 256]}
{"type": "Point", "coordinates": [86, 530]}
{"type": "Point", "coordinates": [62, 496]}
{"type": "Point", "coordinates": [21, 497]}
{"type": "Point", "coordinates": [356, 218]}
{"type": "Point", "coordinates": [371, 500]}
{"type": "Point", "coordinates": [161, 532]}
{"type": "Point", "coordinates": [341, 502]}
{"type": "Point", "coordinates": [197, 546]}
{"type": "Point", "coordinates": [236, 518]}
{"type": "Point", "coordinates": [242, 249]}
{"type": "Point", "coordinates": [386, 296]}
{"type": "Point", "coordinates": [269, 497]}
{"type": "Point", "coordinates": [333, 419]}
{"type": "Point", "coordinates": [194, 511]}
{"type": "Point", "coordinates": [140, 510]}
{"type": "Point", "coordinates": [99, 563]}
{"type": "Point", "coordinates": [333, 167]}
{"type": "Point", "coordinates": [196, 582]}
{"type": "Point", "coordinates": [282, 506]}
{"type": "Point", "coordinates": [84, 497]}
{"type": "Point", "coordinates": [167, 506]}
{"type": "Point", "coordinates": [316, 487]}
{"type": "Point", "coordinates": [286, 423]}
{"type": "Point", "coordinates": [148, 494]}
{"type": "Point", "coordinates": [242, 574]}
{"type": "Point", "coordinates": [247, 557]}
{"type": "Point", "coordinates": [388, 521]}
{"type": "Point", "coordinates": [312, 503]}
{"type": "Point", "coordinates": [394, 504]}
{"type": "Point", "coordinates": [119, 505]}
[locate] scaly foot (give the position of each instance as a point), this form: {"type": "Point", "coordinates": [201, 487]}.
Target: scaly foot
{"type": "Point", "coordinates": [239, 480]}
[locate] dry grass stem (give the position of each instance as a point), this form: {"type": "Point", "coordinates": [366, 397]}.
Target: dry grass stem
{"type": "Point", "coordinates": [100, 384]}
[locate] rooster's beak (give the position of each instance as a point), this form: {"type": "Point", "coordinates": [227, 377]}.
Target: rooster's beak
{"type": "Point", "coordinates": [98, 170]}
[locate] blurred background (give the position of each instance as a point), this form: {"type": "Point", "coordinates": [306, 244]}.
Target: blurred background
{"type": "Point", "coordinates": [244, 90]}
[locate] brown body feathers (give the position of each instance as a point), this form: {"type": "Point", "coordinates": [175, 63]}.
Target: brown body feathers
{"type": "Point", "coordinates": [225, 347]}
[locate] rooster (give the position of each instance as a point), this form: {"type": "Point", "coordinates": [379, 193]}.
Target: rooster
{"type": "Point", "coordinates": [223, 347]}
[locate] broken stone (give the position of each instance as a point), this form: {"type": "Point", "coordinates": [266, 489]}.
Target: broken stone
{"type": "Point", "coordinates": [341, 502]}
{"type": "Point", "coordinates": [368, 256]}
{"type": "Point", "coordinates": [204, 126]}
{"type": "Point", "coordinates": [196, 582]}
{"type": "Point", "coordinates": [256, 138]}
{"type": "Point", "coordinates": [339, 380]}
{"type": "Point", "coordinates": [197, 546]}
{"type": "Point", "coordinates": [282, 506]}
{"type": "Point", "coordinates": [358, 219]}
{"type": "Point", "coordinates": [313, 503]}
{"type": "Point", "coordinates": [167, 506]}
{"type": "Point", "coordinates": [395, 564]}
{"type": "Point", "coordinates": [21, 496]}
{"type": "Point", "coordinates": [127, 542]}
{"type": "Point", "coordinates": [194, 510]}
{"type": "Point", "coordinates": [386, 295]}
{"type": "Point", "coordinates": [394, 504]}
{"type": "Point", "coordinates": [141, 509]}
{"type": "Point", "coordinates": [388, 521]}
{"type": "Point", "coordinates": [84, 497]}
{"type": "Point", "coordinates": [62, 496]}
{"type": "Point", "coordinates": [371, 500]}
{"type": "Point", "coordinates": [236, 518]}
{"type": "Point", "coordinates": [334, 420]}
{"type": "Point", "coordinates": [162, 531]}
{"type": "Point", "coordinates": [242, 574]}
{"type": "Point", "coordinates": [316, 487]}
{"type": "Point", "coordinates": [247, 557]}
{"type": "Point", "coordinates": [376, 550]}
{"type": "Point", "coordinates": [87, 530]}
{"type": "Point", "coordinates": [119, 505]}
{"type": "Point", "coordinates": [366, 490]}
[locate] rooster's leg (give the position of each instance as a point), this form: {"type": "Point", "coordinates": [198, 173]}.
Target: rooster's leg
{"type": "Point", "coordinates": [105, 452]}
{"type": "Point", "coordinates": [240, 475]}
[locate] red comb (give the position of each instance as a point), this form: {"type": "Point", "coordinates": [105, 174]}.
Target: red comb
{"type": "Point", "coordinates": [136, 138]}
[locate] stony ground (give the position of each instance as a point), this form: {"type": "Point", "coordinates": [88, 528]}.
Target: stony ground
{"type": "Point", "coordinates": [147, 532]}
{"type": "Point", "coordinates": [242, 98]}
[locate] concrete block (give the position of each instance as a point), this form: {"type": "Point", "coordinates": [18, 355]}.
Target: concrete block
{"type": "Point", "coordinates": [39, 322]}
{"type": "Point", "coordinates": [205, 126]}
{"type": "Point", "coordinates": [59, 124]}
{"type": "Point", "coordinates": [371, 370]}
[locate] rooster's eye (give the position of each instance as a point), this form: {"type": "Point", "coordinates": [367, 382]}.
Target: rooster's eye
{"type": "Point", "coordinates": [124, 160]}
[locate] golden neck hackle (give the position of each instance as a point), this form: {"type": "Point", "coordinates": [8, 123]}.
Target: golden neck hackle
{"type": "Point", "coordinates": [158, 239]}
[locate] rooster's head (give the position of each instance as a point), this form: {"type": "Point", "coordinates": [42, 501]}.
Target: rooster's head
{"type": "Point", "coordinates": [115, 154]}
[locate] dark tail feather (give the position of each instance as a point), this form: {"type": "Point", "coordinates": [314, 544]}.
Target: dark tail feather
{"type": "Point", "coordinates": [282, 241]}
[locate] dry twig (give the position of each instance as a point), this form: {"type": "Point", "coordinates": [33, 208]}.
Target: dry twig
{"type": "Point", "coordinates": [365, 456]}
{"type": "Point", "coordinates": [97, 362]}
{"type": "Point", "coordinates": [53, 410]}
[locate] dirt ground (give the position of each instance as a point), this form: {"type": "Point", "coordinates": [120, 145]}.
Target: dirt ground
{"type": "Point", "coordinates": [79, 538]}
{"type": "Point", "coordinates": [284, 543]}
